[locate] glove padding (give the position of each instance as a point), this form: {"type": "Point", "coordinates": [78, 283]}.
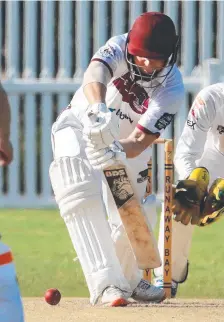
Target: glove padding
{"type": "Point", "coordinates": [214, 203]}
{"type": "Point", "coordinates": [106, 157]}
{"type": "Point", "coordinates": [102, 131]}
{"type": "Point", "coordinates": [189, 196]}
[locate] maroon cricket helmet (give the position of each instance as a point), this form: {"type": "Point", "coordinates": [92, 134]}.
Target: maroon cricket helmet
{"type": "Point", "coordinates": [152, 36]}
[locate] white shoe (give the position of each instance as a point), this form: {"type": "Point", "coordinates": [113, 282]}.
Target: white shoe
{"type": "Point", "coordinates": [148, 292]}
{"type": "Point", "coordinates": [113, 296]}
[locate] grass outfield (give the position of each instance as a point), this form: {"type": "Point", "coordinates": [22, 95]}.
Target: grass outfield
{"type": "Point", "coordinates": [44, 256]}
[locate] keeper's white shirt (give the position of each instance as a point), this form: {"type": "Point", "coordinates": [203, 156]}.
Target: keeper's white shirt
{"type": "Point", "coordinates": [202, 140]}
{"type": "Point", "coordinates": [132, 103]}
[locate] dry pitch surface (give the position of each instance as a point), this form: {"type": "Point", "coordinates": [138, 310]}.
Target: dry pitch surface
{"type": "Point", "coordinates": [77, 309]}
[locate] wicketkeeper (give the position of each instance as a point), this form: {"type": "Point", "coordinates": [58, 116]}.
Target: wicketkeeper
{"type": "Point", "coordinates": [134, 88]}
{"type": "Point", "coordinates": [199, 160]}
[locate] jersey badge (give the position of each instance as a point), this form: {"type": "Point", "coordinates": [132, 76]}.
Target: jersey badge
{"type": "Point", "coordinates": [164, 121]}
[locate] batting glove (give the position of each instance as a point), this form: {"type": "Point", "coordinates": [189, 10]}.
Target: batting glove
{"type": "Point", "coordinates": [106, 157]}
{"type": "Point", "coordinates": [100, 130]}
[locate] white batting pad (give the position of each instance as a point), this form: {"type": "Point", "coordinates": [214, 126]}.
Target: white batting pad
{"type": "Point", "coordinates": [73, 183]}
{"type": "Point", "coordinates": [181, 243]}
{"type": "Point", "coordinates": [149, 209]}
{"type": "Point", "coordinates": [79, 198]}
{"type": "Point", "coordinates": [126, 256]}
{"type": "Point", "coordinates": [67, 143]}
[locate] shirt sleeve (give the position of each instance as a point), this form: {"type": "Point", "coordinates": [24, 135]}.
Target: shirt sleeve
{"type": "Point", "coordinates": [112, 53]}
{"type": "Point", "coordinates": [162, 109]}
{"type": "Point", "coordinates": [192, 140]}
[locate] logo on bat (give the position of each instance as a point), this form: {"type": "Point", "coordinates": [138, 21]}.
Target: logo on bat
{"type": "Point", "coordinates": [143, 176]}
{"type": "Point", "coordinates": [120, 185]}
{"type": "Point", "coordinates": [220, 129]}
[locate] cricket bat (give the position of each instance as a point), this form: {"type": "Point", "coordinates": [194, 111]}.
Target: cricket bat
{"type": "Point", "coordinates": [141, 237]}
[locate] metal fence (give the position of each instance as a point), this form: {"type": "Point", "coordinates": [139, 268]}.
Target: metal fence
{"type": "Point", "coordinates": [45, 47]}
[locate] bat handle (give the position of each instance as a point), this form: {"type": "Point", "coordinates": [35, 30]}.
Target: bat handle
{"type": "Point", "coordinates": [161, 140]}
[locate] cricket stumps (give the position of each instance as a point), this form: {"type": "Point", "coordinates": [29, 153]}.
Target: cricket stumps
{"type": "Point", "coordinates": [167, 213]}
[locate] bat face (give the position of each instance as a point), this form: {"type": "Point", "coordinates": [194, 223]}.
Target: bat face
{"type": "Point", "coordinates": [119, 185]}
{"type": "Point", "coordinates": [140, 236]}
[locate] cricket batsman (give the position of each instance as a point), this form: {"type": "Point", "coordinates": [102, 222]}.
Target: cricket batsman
{"type": "Point", "coordinates": [134, 88]}
{"type": "Point", "coordinates": [199, 194]}
{"type": "Point", "coordinates": [11, 309]}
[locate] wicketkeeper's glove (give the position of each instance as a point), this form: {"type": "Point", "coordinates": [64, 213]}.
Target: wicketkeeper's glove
{"type": "Point", "coordinates": [189, 197]}
{"type": "Point", "coordinates": [214, 203]}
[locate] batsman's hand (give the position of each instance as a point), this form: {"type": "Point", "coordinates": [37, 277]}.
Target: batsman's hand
{"type": "Point", "coordinates": [189, 195]}
{"type": "Point", "coordinates": [102, 128]}
{"type": "Point", "coordinates": [101, 158]}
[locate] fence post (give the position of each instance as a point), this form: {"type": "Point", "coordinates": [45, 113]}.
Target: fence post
{"type": "Point", "coordinates": [211, 71]}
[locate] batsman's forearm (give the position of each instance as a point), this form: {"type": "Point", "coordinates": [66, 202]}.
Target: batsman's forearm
{"type": "Point", "coordinates": [95, 92]}
{"type": "Point", "coordinates": [137, 142]}
{"type": "Point", "coordinates": [131, 148]}
{"type": "Point", "coordinates": [5, 115]}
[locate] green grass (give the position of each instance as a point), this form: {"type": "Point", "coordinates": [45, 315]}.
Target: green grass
{"type": "Point", "coordinates": [206, 278]}
{"type": "Point", "coordinates": [43, 252]}
{"type": "Point", "coordinates": [44, 256]}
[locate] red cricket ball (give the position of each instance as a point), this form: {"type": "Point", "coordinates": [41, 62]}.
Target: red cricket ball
{"type": "Point", "coordinates": [52, 296]}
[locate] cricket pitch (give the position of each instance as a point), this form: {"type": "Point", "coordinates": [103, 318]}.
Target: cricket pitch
{"type": "Point", "coordinates": [79, 309]}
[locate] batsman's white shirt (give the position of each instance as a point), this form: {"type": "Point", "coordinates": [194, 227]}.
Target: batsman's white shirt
{"type": "Point", "coordinates": [202, 140]}
{"type": "Point", "coordinates": [132, 103]}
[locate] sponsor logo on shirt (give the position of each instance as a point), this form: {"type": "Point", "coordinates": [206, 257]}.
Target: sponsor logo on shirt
{"type": "Point", "coordinates": [143, 176]}
{"type": "Point", "coordinates": [164, 120]}
{"type": "Point", "coordinates": [220, 129]}
{"type": "Point", "coordinates": [198, 103]}
{"type": "Point", "coordinates": [121, 115]}
{"type": "Point", "coordinates": [193, 113]}
{"type": "Point", "coordinates": [132, 93]}
{"type": "Point", "coordinates": [107, 51]}
{"type": "Point", "coordinates": [191, 124]}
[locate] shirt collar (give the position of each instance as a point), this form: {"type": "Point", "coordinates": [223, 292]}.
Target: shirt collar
{"type": "Point", "coordinates": [160, 79]}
